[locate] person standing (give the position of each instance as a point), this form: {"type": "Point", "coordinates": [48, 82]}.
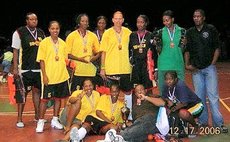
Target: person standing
{"type": "Point", "coordinates": [170, 56]}
{"type": "Point", "coordinates": [101, 22]}
{"type": "Point", "coordinates": [25, 42]}
{"type": "Point", "coordinates": [115, 55]}
{"type": "Point", "coordinates": [83, 48]}
{"type": "Point", "coordinates": [139, 46]}
{"type": "Point", "coordinates": [201, 56]}
{"type": "Point", "coordinates": [51, 55]}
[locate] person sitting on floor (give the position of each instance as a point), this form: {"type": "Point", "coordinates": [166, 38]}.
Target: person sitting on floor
{"type": "Point", "coordinates": [180, 99]}
{"type": "Point", "coordinates": [108, 117]}
{"type": "Point", "coordinates": [80, 104]}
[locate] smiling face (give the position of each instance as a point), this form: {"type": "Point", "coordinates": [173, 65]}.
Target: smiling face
{"type": "Point", "coordinates": [88, 87]}
{"type": "Point", "coordinates": [168, 21]}
{"type": "Point", "coordinates": [139, 89]}
{"type": "Point", "coordinates": [114, 92]}
{"type": "Point", "coordinates": [54, 29]}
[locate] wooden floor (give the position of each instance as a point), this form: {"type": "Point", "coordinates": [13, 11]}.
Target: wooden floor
{"type": "Point", "coordinates": [8, 114]}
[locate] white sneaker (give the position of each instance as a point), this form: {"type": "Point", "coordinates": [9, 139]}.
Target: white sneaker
{"type": "Point", "coordinates": [110, 135]}
{"type": "Point", "coordinates": [20, 124]}
{"type": "Point", "coordinates": [56, 124]}
{"type": "Point", "coordinates": [74, 136]}
{"type": "Point", "coordinates": [40, 126]}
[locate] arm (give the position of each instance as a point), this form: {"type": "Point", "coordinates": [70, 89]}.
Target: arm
{"type": "Point", "coordinates": [81, 59]}
{"type": "Point", "coordinates": [188, 66]}
{"type": "Point", "coordinates": [102, 116]}
{"type": "Point", "coordinates": [102, 72]}
{"type": "Point", "coordinates": [44, 75]}
{"type": "Point", "coordinates": [95, 57]}
{"type": "Point", "coordinates": [15, 61]}
{"type": "Point", "coordinates": [215, 56]}
{"type": "Point", "coordinates": [153, 100]}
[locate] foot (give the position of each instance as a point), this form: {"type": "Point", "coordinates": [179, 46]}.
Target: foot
{"type": "Point", "coordinates": [74, 135]}
{"type": "Point", "coordinates": [20, 124]}
{"type": "Point", "coordinates": [56, 124]}
{"type": "Point", "coordinates": [223, 129]}
{"type": "Point", "coordinates": [40, 126]}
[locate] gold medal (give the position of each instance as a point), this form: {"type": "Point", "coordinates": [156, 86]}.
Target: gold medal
{"type": "Point", "coordinates": [140, 50]}
{"type": "Point", "coordinates": [56, 58]}
{"type": "Point", "coordinates": [119, 46]}
{"type": "Point", "coordinates": [171, 44]}
{"type": "Point", "coordinates": [85, 50]}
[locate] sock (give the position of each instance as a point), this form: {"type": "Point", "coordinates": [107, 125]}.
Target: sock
{"type": "Point", "coordinates": [55, 118]}
{"type": "Point", "coordinates": [128, 99]}
{"type": "Point", "coordinates": [82, 132]}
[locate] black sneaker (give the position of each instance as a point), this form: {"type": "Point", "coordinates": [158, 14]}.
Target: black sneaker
{"type": "Point", "coordinates": [223, 129]}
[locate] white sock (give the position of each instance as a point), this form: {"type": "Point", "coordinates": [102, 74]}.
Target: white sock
{"type": "Point", "coordinates": [82, 132]}
{"type": "Point", "coordinates": [55, 118]}
{"type": "Point", "coordinates": [128, 99]}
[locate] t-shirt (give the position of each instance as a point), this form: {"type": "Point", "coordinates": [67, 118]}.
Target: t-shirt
{"type": "Point", "coordinates": [109, 109]}
{"type": "Point", "coordinates": [116, 60]}
{"type": "Point", "coordinates": [83, 47]}
{"type": "Point", "coordinates": [56, 70]}
{"type": "Point", "coordinates": [8, 56]}
{"type": "Point", "coordinates": [88, 104]}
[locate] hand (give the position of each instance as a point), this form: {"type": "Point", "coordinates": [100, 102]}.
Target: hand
{"type": "Point", "coordinates": [102, 74]}
{"type": "Point", "coordinates": [45, 80]}
{"type": "Point", "coordinates": [15, 72]}
{"type": "Point", "coordinates": [191, 68]}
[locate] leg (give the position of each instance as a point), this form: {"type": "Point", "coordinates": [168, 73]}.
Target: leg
{"type": "Point", "coordinates": [199, 85]}
{"type": "Point", "coordinates": [36, 101]}
{"type": "Point", "coordinates": [213, 95]}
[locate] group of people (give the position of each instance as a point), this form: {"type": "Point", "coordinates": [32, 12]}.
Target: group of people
{"type": "Point", "coordinates": [133, 61]}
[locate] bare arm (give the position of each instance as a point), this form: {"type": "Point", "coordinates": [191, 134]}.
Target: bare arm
{"type": "Point", "coordinates": [81, 59]}
{"type": "Point", "coordinates": [153, 100]}
{"type": "Point", "coordinates": [102, 116]}
{"type": "Point", "coordinates": [15, 62]}
{"type": "Point", "coordinates": [102, 72]}
{"type": "Point", "coordinates": [215, 56]}
{"type": "Point", "coordinates": [44, 75]}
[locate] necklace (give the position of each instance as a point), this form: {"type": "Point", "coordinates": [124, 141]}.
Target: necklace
{"type": "Point", "coordinates": [171, 96]}
{"type": "Point", "coordinates": [91, 101]}
{"type": "Point", "coordinates": [84, 40]}
{"type": "Point", "coordinates": [119, 38]}
{"type": "Point", "coordinates": [56, 48]}
{"type": "Point", "coordinates": [141, 41]}
{"type": "Point", "coordinates": [171, 36]}
{"type": "Point", "coordinates": [33, 33]}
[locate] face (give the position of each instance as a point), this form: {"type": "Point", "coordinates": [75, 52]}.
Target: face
{"type": "Point", "coordinates": [54, 29]}
{"type": "Point", "coordinates": [168, 21]}
{"type": "Point", "coordinates": [84, 22]}
{"type": "Point", "coordinates": [32, 21]}
{"type": "Point", "coordinates": [118, 19]}
{"type": "Point", "coordinates": [170, 81]}
{"type": "Point", "coordinates": [139, 89]}
{"type": "Point", "coordinates": [88, 87]}
{"type": "Point", "coordinates": [101, 24]}
{"type": "Point", "coordinates": [114, 92]}
{"type": "Point", "coordinates": [141, 25]}
{"type": "Point", "coordinates": [198, 18]}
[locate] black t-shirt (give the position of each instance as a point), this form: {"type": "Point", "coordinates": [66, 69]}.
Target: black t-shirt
{"type": "Point", "coordinates": [201, 45]}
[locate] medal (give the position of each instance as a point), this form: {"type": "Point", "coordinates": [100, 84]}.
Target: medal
{"type": "Point", "coordinates": [119, 46]}
{"type": "Point", "coordinates": [56, 58]}
{"type": "Point", "coordinates": [171, 44]}
{"type": "Point", "coordinates": [140, 50]}
{"type": "Point", "coordinates": [85, 50]}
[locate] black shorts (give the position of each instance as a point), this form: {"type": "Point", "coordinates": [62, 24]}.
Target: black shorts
{"type": "Point", "coordinates": [95, 123]}
{"type": "Point", "coordinates": [60, 90]}
{"type": "Point", "coordinates": [31, 79]}
{"type": "Point", "coordinates": [124, 82]}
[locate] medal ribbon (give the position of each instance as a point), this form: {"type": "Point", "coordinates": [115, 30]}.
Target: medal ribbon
{"type": "Point", "coordinates": [171, 35]}
{"type": "Point", "coordinates": [91, 101]}
{"type": "Point", "coordinates": [141, 40]}
{"type": "Point", "coordinates": [33, 33]}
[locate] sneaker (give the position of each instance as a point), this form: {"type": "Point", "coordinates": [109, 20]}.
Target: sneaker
{"type": "Point", "coordinates": [4, 80]}
{"type": "Point", "coordinates": [20, 124]}
{"type": "Point", "coordinates": [223, 129]}
{"type": "Point", "coordinates": [40, 126]}
{"type": "Point", "coordinates": [74, 136]}
{"type": "Point", "coordinates": [119, 138]}
{"type": "Point", "coordinates": [36, 120]}
{"type": "Point", "coordinates": [110, 135]}
{"type": "Point", "coordinates": [56, 124]}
